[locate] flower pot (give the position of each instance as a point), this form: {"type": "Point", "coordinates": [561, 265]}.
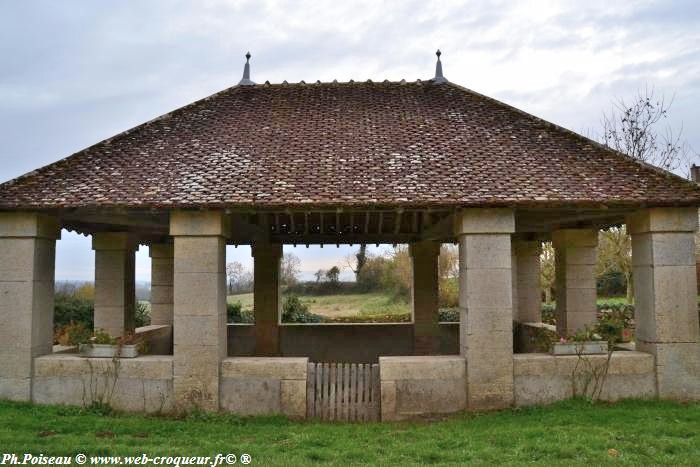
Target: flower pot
{"type": "Point", "coordinates": [108, 351]}
{"type": "Point", "coordinates": [583, 348]}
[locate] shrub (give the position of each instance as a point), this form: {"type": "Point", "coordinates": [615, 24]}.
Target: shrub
{"type": "Point", "coordinates": [143, 315]}
{"type": "Point", "coordinates": [236, 314]}
{"type": "Point", "coordinates": [449, 293]}
{"type": "Point", "coordinates": [611, 284]}
{"type": "Point", "coordinates": [548, 313]}
{"type": "Point", "coordinates": [294, 311]}
{"type": "Point", "coordinates": [448, 315]}
{"type": "Point", "coordinates": [71, 308]}
{"type": "Point", "coordinates": [72, 334]}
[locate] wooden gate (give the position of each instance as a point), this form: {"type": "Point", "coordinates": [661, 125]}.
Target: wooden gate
{"type": "Point", "coordinates": [343, 391]}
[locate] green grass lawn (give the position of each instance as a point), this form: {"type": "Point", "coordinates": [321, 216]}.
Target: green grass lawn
{"type": "Point", "coordinates": [245, 299]}
{"type": "Point", "coordinates": [568, 433]}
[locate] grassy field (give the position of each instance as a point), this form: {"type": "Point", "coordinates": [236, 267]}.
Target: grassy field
{"type": "Point", "coordinates": [363, 305]}
{"type": "Point", "coordinates": [568, 433]}
{"type": "Point", "coordinates": [341, 305]}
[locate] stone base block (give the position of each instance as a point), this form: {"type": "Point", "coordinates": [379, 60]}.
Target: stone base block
{"type": "Point", "coordinates": [15, 389]}
{"type": "Point", "coordinates": [677, 369]}
{"type": "Point", "coordinates": [264, 386]}
{"type": "Point", "coordinates": [420, 385]}
{"type": "Point", "coordinates": [142, 384]}
{"type": "Point", "coordinates": [544, 379]}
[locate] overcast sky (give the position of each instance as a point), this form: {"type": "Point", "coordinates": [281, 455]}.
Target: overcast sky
{"type": "Point", "coordinates": [75, 72]}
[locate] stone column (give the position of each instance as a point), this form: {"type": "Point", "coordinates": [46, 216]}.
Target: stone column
{"type": "Point", "coordinates": [266, 298]}
{"type": "Point", "coordinates": [199, 307]}
{"type": "Point", "coordinates": [161, 283]}
{"type": "Point", "coordinates": [527, 302]}
{"type": "Point", "coordinates": [665, 293]}
{"type": "Point", "coordinates": [27, 263]}
{"type": "Point", "coordinates": [115, 290]}
{"type": "Point", "coordinates": [162, 295]}
{"type": "Point", "coordinates": [426, 330]}
{"type": "Point", "coordinates": [486, 309]}
{"type": "Point", "coordinates": [575, 263]}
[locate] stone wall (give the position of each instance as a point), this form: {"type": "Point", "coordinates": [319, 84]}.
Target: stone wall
{"type": "Point", "coordinates": [543, 378]}
{"type": "Point", "coordinates": [264, 386]}
{"type": "Point", "coordinates": [420, 385]}
{"type": "Point", "coordinates": [143, 384]}
{"type": "Point", "coordinates": [351, 343]}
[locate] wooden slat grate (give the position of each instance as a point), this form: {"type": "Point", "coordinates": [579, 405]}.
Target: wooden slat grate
{"type": "Point", "coordinates": [343, 391]}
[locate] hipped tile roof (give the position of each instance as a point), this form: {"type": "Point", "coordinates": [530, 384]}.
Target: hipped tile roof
{"type": "Point", "coordinates": [340, 144]}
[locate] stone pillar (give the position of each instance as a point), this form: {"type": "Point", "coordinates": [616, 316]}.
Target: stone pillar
{"type": "Point", "coordinates": [199, 307]}
{"type": "Point", "coordinates": [527, 304]}
{"type": "Point", "coordinates": [115, 290]}
{"type": "Point", "coordinates": [575, 263]}
{"type": "Point", "coordinates": [162, 296]}
{"type": "Point", "coordinates": [665, 293]}
{"type": "Point", "coordinates": [161, 283]}
{"type": "Point", "coordinates": [266, 298]}
{"type": "Point", "coordinates": [486, 309]}
{"type": "Point", "coordinates": [426, 330]}
{"type": "Point", "coordinates": [27, 263]}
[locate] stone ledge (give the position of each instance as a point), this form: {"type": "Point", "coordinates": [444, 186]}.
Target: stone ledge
{"type": "Point", "coordinates": [621, 363]}
{"type": "Point", "coordinates": [422, 367]}
{"type": "Point", "coordinates": [282, 368]}
{"type": "Point", "coordinates": [150, 367]}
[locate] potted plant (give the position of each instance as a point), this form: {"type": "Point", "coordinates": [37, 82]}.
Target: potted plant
{"type": "Point", "coordinates": [102, 345]}
{"type": "Point", "coordinates": [584, 342]}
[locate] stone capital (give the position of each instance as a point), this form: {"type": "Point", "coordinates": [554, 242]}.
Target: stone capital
{"type": "Point", "coordinates": [485, 221]}
{"type": "Point", "coordinates": [29, 224]}
{"type": "Point", "coordinates": [199, 224]}
{"type": "Point", "coordinates": [161, 250]}
{"type": "Point", "coordinates": [663, 220]}
{"type": "Point", "coordinates": [260, 250]}
{"type": "Point", "coordinates": [527, 247]}
{"type": "Point", "coordinates": [114, 241]}
{"type": "Point", "coordinates": [575, 237]}
{"type": "Point", "coordinates": [424, 248]}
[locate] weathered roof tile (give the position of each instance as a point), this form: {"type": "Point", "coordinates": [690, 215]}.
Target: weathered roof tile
{"type": "Point", "coordinates": [420, 144]}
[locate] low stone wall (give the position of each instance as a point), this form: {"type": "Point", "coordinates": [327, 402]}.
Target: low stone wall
{"type": "Point", "coordinates": [351, 343]}
{"type": "Point", "coordinates": [411, 386]}
{"type": "Point", "coordinates": [420, 385]}
{"type": "Point", "coordinates": [264, 385]}
{"type": "Point", "coordinates": [544, 378]}
{"type": "Point", "coordinates": [142, 384]}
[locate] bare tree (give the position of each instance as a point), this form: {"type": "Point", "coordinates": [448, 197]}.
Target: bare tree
{"type": "Point", "coordinates": [633, 129]}
{"type": "Point", "coordinates": [333, 275]}
{"type": "Point", "coordinates": [449, 261]}
{"type": "Point", "coordinates": [320, 274]}
{"type": "Point", "coordinates": [289, 269]}
{"type": "Point", "coordinates": [547, 273]}
{"type": "Point", "coordinates": [234, 272]}
{"type": "Point", "coordinates": [615, 255]}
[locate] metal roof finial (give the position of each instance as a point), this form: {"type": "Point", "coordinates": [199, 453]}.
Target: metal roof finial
{"type": "Point", "coordinates": [245, 81]}
{"type": "Point", "coordinates": [438, 70]}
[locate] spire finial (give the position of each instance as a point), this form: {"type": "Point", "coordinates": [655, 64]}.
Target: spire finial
{"type": "Point", "coordinates": [245, 81]}
{"type": "Point", "coordinates": [438, 70]}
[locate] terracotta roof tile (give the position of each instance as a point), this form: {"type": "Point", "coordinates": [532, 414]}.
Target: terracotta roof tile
{"type": "Point", "coordinates": [419, 144]}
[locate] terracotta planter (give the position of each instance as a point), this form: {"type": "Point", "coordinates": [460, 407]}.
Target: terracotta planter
{"type": "Point", "coordinates": [583, 348]}
{"type": "Point", "coordinates": [108, 351]}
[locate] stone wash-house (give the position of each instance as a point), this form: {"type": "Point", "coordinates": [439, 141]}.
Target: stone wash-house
{"type": "Point", "coordinates": [423, 163]}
